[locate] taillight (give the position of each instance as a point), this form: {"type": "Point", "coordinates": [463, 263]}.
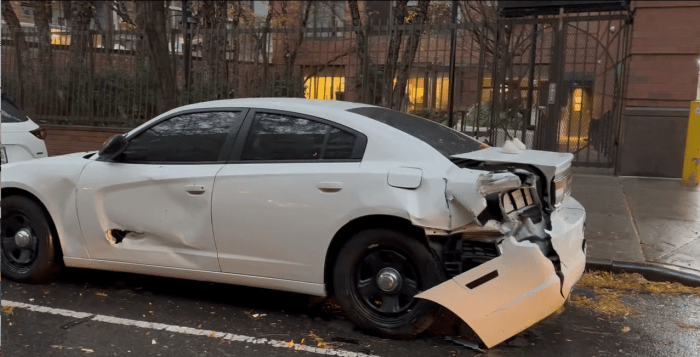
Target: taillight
{"type": "Point", "coordinates": [39, 133]}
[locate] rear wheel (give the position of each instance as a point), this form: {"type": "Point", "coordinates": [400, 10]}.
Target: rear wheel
{"type": "Point", "coordinates": [376, 277]}
{"type": "Point", "coordinates": [28, 251]}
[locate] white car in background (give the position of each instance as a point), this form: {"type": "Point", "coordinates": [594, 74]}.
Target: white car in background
{"type": "Point", "coordinates": [21, 138]}
{"type": "Point", "coordinates": [392, 213]}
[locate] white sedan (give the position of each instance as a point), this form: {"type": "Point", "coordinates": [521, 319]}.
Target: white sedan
{"type": "Point", "coordinates": [394, 214]}
{"type": "Point", "coordinates": [21, 138]}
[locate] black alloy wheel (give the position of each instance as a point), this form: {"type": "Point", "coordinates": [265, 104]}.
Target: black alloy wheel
{"type": "Point", "coordinates": [377, 275]}
{"type": "Point", "coordinates": [29, 253]}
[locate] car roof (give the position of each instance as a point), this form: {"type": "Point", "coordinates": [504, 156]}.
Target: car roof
{"type": "Point", "coordinates": [292, 104]}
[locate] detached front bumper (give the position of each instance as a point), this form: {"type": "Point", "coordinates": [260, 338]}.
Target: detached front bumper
{"type": "Point", "coordinates": [512, 292]}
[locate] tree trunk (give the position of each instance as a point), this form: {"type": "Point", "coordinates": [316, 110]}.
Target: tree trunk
{"type": "Point", "coordinates": [409, 55]}
{"type": "Point", "coordinates": [214, 22]}
{"type": "Point", "coordinates": [41, 21]}
{"type": "Point", "coordinates": [393, 52]}
{"type": "Point", "coordinates": [81, 16]}
{"type": "Point", "coordinates": [361, 45]}
{"type": "Point", "coordinates": [158, 55]}
{"type": "Point", "coordinates": [263, 48]}
{"type": "Point", "coordinates": [21, 49]}
{"type": "Point", "coordinates": [291, 57]}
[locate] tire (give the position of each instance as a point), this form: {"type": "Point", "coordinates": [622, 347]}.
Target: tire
{"type": "Point", "coordinates": [381, 311]}
{"type": "Point", "coordinates": [33, 259]}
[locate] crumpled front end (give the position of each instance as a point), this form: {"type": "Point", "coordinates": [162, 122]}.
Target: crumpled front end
{"type": "Point", "coordinates": [518, 259]}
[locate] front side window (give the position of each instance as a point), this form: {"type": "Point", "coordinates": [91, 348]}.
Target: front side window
{"type": "Point", "coordinates": [283, 137]}
{"type": "Point", "coordinates": [187, 138]}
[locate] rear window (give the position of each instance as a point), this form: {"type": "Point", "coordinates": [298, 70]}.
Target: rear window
{"type": "Point", "coordinates": [10, 112]}
{"type": "Point", "coordinates": [443, 139]}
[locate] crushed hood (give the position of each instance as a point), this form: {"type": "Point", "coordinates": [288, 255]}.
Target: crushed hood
{"type": "Point", "coordinates": [551, 163]}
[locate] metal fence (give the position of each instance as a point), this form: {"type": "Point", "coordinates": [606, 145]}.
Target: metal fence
{"type": "Point", "coordinates": [503, 87]}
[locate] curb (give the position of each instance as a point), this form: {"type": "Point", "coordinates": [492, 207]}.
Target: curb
{"type": "Point", "coordinates": [650, 271]}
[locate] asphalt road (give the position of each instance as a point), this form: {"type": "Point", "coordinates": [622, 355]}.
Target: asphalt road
{"type": "Point", "coordinates": [116, 308]}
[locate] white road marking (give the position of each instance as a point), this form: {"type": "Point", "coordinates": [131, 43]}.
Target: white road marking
{"type": "Point", "coordinates": [183, 330]}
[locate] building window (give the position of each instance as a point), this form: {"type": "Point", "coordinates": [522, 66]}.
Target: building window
{"type": "Point", "coordinates": [328, 84]}
{"type": "Point", "coordinates": [325, 15]}
{"type": "Point", "coordinates": [578, 99]}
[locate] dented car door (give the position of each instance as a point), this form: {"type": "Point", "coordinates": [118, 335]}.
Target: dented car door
{"type": "Point", "coordinates": [153, 204]}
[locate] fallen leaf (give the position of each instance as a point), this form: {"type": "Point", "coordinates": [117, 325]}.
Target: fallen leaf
{"type": "Point", "coordinates": [302, 341]}
{"type": "Point", "coordinates": [87, 350]}
{"type": "Point", "coordinates": [101, 294]}
{"type": "Point", "coordinates": [212, 334]}
{"type": "Point", "coordinates": [568, 340]}
{"type": "Point", "coordinates": [684, 325]}
{"type": "Point", "coordinates": [625, 329]}
{"type": "Point", "coordinates": [7, 309]}
{"type": "Point", "coordinates": [291, 343]}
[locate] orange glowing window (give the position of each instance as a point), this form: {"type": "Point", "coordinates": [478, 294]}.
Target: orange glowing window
{"type": "Point", "coordinates": [578, 99]}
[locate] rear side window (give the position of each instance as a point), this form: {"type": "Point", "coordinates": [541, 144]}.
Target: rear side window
{"type": "Point", "coordinates": [443, 139]}
{"type": "Point", "coordinates": [275, 137]}
{"type": "Point", "coordinates": [188, 138]}
{"type": "Point", "coordinates": [10, 112]}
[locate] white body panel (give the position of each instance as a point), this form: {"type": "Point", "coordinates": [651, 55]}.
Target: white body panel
{"type": "Point", "coordinates": [171, 224]}
{"type": "Point", "coordinates": [526, 288]}
{"type": "Point", "coordinates": [19, 143]}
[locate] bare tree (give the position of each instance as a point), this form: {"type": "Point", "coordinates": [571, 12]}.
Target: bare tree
{"type": "Point", "coordinates": [409, 54]}
{"type": "Point", "coordinates": [213, 18]}
{"type": "Point", "coordinates": [393, 95]}
{"type": "Point", "coordinates": [22, 51]}
{"type": "Point", "coordinates": [42, 13]}
{"type": "Point", "coordinates": [502, 44]}
{"type": "Point", "coordinates": [158, 55]}
{"type": "Point", "coordinates": [292, 45]}
{"type": "Point", "coordinates": [81, 17]}
{"type": "Point", "coordinates": [361, 46]}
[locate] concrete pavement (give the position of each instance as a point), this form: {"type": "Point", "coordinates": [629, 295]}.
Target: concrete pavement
{"type": "Point", "coordinates": [644, 221]}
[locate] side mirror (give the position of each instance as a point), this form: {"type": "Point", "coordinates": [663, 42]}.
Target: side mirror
{"type": "Point", "coordinates": [113, 147]}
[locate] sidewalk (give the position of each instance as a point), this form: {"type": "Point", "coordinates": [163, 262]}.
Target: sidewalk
{"type": "Point", "coordinates": [641, 220]}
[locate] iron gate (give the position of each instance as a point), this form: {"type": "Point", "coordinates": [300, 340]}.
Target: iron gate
{"type": "Point", "coordinates": [557, 83]}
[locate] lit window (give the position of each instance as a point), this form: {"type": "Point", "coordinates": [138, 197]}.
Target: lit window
{"type": "Point", "coordinates": [578, 99]}
{"type": "Point", "coordinates": [416, 93]}
{"type": "Point", "coordinates": [326, 85]}
{"type": "Point", "coordinates": [441, 93]}
{"type": "Point", "coordinates": [59, 39]}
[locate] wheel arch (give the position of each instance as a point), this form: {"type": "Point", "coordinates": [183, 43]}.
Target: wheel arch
{"type": "Point", "coordinates": [15, 191]}
{"type": "Point", "coordinates": [363, 223]}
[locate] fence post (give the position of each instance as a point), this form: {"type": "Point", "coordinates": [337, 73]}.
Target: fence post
{"type": "Point", "coordinates": [453, 53]}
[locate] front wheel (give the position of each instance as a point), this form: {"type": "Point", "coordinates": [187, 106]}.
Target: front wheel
{"type": "Point", "coordinates": [28, 250]}
{"type": "Point", "coordinates": [376, 277]}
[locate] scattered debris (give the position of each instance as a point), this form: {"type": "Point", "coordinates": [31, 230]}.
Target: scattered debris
{"type": "Point", "coordinates": [101, 294]}
{"type": "Point", "coordinates": [153, 341]}
{"type": "Point", "coordinates": [685, 325]}
{"type": "Point", "coordinates": [346, 340]}
{"type": "Point", "coordinates": [87, 350]}
{"type": "Point", "coordinates": [465, 343]}
{"type": "Point", "coordinates": [319, 341]}
{"type": "Point", "coordinates": [607, 303]}
{"type": "Point", "coordinates": [606, 284]}
{"type": "Point", "coordinates": [628, 281]}
{"type": "Point", "coordinates": [76, 322]}
{"type": "Point", "coordinates": [625, 329]}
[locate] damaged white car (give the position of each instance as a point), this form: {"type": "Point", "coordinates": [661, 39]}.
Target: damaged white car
{"type": "Point", "coordinates": [394, 214]}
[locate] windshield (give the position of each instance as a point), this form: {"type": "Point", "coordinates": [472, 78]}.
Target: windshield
{"type": "Point", "coordinates": [442, 138]}
{"type": "Point", "coordinates": [10, 112]}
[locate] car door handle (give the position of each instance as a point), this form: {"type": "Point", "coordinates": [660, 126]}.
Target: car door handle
{"type": "Point", "coordinates": [195, 189]}
{"type": "Point", "coordinates": [330, 187]}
